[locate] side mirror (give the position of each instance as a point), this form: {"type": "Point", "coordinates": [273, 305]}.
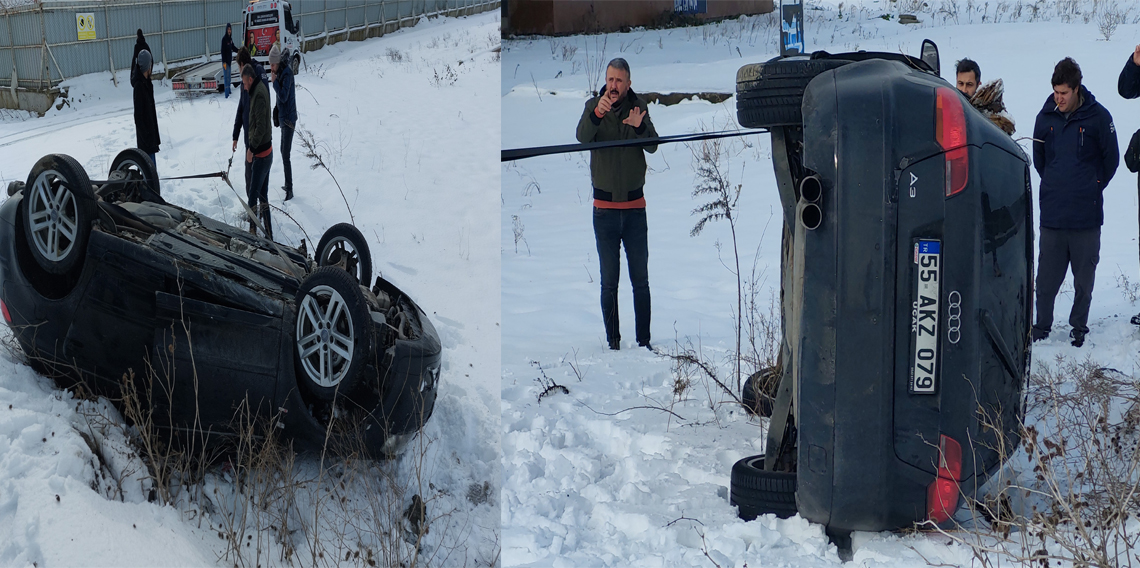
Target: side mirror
{"type": "Point", "coordinates": [930, 56]}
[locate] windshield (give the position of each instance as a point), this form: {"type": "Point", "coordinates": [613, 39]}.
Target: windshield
{"type": "Point", "coordinates": [263, 18]}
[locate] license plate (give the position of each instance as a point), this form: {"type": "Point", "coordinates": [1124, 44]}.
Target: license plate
{"type": "Point", "coordinates": [924, 317]}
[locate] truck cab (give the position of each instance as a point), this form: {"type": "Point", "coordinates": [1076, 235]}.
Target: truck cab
{"type": "Point", "coordinates": [266, 22]}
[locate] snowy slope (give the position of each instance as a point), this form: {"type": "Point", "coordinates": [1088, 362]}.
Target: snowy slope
{"type": "Point", "coordinates": [415, 157]}
{"type": "Point", "coordinates": [623, 470]}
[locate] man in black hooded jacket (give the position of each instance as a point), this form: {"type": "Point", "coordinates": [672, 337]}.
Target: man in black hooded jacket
{"type": "Point", "coordinates": [1076, 154]}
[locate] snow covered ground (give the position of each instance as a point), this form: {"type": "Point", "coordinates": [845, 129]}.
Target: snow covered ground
{"type": "Point", "coordinates": [621, 469]}
{"type": "Point", "coordinates": [408, 123]}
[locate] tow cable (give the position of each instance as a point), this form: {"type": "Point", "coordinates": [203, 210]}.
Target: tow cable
{"type": "Point", "coordinates": [225, 176]}
{"type": "Point", "coordinates": [523, 153]}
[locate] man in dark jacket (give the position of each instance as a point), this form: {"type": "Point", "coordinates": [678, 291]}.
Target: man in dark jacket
{"type": "Point", "coordinates": [228, 51]}
{"type": "Point", "coordinates": [259, 152]}
{"type": "Point", "coordinates": [241, 120]}
{"type": "Point", "coordinates": [1128, 85]}
{"type": "Point", "coordinates": [1076, 154]}
{"type": "Point", "coordinates": [285, 111]}
{"type": "Point", "coordinates": [146, 117]}
{"type": "Point", "coordinates": [618, 177]}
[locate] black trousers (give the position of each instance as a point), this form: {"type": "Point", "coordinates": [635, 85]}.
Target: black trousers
{"type": "Point", "coordinates": [612, 229]}
{"type": "Point", "coordinates": [257, 192]}
{"type": "Point", "coordinates": [1062, 249]}
{"type": "Point", "coordinates": [286, 150]}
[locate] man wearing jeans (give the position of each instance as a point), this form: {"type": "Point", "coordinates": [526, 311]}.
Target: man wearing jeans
{"type": "Point", "coordinates": [1076, 154]}
{"type": "Point", "coordinates": [618, 177]}
{"type": "Point", "coordinates": [259, 153]}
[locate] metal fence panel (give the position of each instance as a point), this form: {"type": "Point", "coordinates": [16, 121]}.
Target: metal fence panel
{"type": "Point", "coordinates": [26, 28]}
{"type": "Point", "coordinates": [355, 17]}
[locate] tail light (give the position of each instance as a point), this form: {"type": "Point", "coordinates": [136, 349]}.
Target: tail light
{"type": "Point", "coordinates": [942, 495]}
{"type": "Point", "coordinates": [7, 316]}
{"type": "Point", "coordinates": [950, 131]}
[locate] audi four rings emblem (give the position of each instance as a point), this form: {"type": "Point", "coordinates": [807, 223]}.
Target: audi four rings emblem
{"type": "Point", "coordinates": [954, 318]}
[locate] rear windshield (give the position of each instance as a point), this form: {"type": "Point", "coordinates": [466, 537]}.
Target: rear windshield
{"type": "Point", "coordinates": [263, 18]}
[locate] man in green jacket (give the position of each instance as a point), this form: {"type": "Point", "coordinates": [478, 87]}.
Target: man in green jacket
{"type": "Point", "coordinates": [259, 153]}
{"type": "Point", "coordinates": [618, 177]}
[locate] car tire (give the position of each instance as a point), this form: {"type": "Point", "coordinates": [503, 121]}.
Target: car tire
{"type": "Point", "coordinates": [138, 166]}
{"type": "Point", "coordinates": [770, 94]}
{"type": "Point", "coordinates": [295, 64]}
{"type": "Point", "coordinates": [58, 208]}
{"type": "Point", "coordinates": [759, 392]}
{"type": "Point", "coordinates": [757, 492]}
{"type": "Point", "coordinates": [333, 333]}
{"type": "Point", "coordinates": [343, 245]}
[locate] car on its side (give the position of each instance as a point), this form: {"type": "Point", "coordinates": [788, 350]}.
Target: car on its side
{"type": "Point", "coordinates": [104, 283]}
{"type": "Point", "coordinates": [907, 286]}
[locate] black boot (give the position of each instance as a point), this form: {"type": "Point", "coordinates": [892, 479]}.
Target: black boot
{"type": "Point", "coordinates": [1078, 337]}
{"type": "Point", "coordinates": [265, 221]}
{"type": "Point", "coordinates": [288, 192]}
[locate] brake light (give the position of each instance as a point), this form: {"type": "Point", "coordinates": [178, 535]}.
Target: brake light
{"type": "Point", "coordinates": [950, 131]}
{"type": "Point", "coordinates": [7, 316]}
{"type": "Point", "coordinates": [942, 495]}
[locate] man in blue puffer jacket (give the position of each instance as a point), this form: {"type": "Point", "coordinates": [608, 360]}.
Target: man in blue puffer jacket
{"type": "Point", "coordinates": [1076, 154]}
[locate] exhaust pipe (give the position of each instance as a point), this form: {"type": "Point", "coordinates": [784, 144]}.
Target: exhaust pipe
{"type": "Point", "coordinates": [811, 189]}
{"type": "Point", "coordinates": [810, 215]}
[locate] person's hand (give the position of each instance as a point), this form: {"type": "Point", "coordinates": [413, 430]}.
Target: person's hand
{"type": "Point", "coordinates": [1136, 55]}
{"type": "Point", "coordinates": [249, 156]}
{"type": "Point", "coordinates": [235, 146]}
{"type": "Point", "coordinates": [604, 106]}
{"type": "Point", "coordinates": [635, 116]}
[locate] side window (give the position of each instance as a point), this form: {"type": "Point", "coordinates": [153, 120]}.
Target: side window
{"type": "Point", "coordinates": [289, 22]}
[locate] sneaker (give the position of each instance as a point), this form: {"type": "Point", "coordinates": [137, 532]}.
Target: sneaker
{"type": "Point", "coordinates": [1038, 335]}
{"type": "Point", "coordinates": [1078, 337]}
{"type": "Point", "coordinates": [1136, 319]}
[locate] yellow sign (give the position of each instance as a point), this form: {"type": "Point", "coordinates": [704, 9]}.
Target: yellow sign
{"type": "Point", "coordinates": [85, 25]}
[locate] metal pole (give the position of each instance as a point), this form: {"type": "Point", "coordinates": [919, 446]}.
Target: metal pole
{"type": "Point", "coordinates": [110, 61]}
{"type": "Point", "coordinates": [162, 32]}
{"type": "Point", "coordinates": [206, 30]}
{"type": "Point", "coordinates": [11, 38]}
{"type": "Point", "coordinates": [43, 52]}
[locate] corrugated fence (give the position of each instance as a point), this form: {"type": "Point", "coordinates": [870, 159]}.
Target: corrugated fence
{"type": "Point", "coordinates": [47, 42]}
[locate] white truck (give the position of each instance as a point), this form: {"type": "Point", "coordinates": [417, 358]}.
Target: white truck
{"type": "Point", "coordinates": [264, 23]}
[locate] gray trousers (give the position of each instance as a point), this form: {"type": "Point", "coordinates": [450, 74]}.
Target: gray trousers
{"type": "Point", "coordinates": [1061, 249]}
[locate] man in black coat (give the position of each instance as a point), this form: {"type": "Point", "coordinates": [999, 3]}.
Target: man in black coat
{"type": "Point", "coordinates": [228, 51]}
{"type": "Point", "coordinates": [1076, 154]}
{"type": "Point", "coordinates": [1128, 85]}
{"type": "Point", "coordinates": [146, 117]}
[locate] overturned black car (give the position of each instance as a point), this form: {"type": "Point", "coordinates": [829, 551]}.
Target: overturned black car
{"type": "Point", "coordinates": [104, 283]}
{"type": "Point", "coordinates": [906, 292]}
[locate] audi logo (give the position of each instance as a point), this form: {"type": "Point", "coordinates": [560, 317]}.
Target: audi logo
{"type": "Point", "coordinates": [954, 318]}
